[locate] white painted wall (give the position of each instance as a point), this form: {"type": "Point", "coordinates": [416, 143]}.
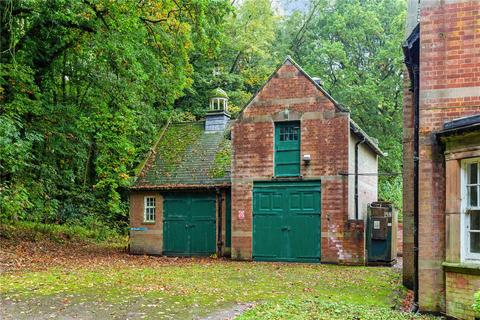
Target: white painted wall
{"type": "Point", "coordinates": [367, 185]}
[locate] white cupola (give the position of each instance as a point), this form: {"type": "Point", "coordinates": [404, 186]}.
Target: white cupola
{"type": "Point", "coordinates": [217, 116]}
{"type": "Point", "coordinates": [219, 100]}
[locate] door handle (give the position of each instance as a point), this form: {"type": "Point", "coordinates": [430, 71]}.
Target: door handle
{"type": "Point", "coordinates": [285, 228]}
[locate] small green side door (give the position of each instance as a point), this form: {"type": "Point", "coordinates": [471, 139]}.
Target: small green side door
{"type": "Point", "coordinates": [287, 149]}
{"type": "Point", "coordinates": [286, 221]}
{"type": "Point", "coordinates": [189, 224]}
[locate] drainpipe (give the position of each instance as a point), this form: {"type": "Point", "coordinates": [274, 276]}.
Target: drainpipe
{"type": "Point", "coordinates": [411, 49]}
{"type": "Point", "coordinates": [220, 221]}
{"type": "Point", "coordinates": [357, 144]}
{"type": "Point", "coordinates": [416, 160]}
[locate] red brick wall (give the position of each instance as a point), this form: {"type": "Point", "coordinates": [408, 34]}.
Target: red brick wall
{"type": "Point", "coordinates": [325, 133]}
{"type": "Point", "coordinates": [449, 88]}
{"type": "Point", "coordinates": [149, 241]}
{"type": "Point", "coordinates": [460, 289]}
{"type": "Point", "coordinates": [400, 239]}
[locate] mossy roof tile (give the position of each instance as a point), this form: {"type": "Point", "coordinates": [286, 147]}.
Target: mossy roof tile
{"type": "Point", "coordinates": [186, 156]}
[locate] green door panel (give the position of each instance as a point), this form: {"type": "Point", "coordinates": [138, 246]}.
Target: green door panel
{"type": "Point", "coordinates": [202, 231]}
{"type": "Point", "coordinates": [189, 224]}
{"type": "Point", "coordinates": [175, 224]}
{"type": "Point", "coordinates": [304, 239]}
{"type": "Point", "coordinates": [286, 221]}
{"type": "Point", "coordinates": [175, 237]}
{"type": "Point", "coordinates": [267, 221]}
{"type": "Point", "coordinates": [287, 149]}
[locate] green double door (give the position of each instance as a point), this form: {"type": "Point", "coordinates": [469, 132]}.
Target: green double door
{"type": "Point", "coordinates": [286, 221]}
{"type": "Point", "coordinates": [189, 224]}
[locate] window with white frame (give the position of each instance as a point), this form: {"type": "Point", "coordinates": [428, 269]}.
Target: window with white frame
{"type": "Point", "coordinates": [149, 209]}
{"type": "Point", "coordinates": [471, 209]}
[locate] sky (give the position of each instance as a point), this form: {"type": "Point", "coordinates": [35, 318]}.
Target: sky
{"type": "Point", "coordinates": [285, 7]}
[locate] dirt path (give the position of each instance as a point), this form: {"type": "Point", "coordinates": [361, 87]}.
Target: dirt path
{"type": "Point", "coordinates": [230, 313]}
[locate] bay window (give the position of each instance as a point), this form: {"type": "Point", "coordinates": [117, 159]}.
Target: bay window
{"type": "Point", "coordinates": [471, 209]}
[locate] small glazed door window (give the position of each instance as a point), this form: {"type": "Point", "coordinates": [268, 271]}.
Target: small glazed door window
{"type": "Point", "coordinates": [471, 204]}
{"type": "Point", "coordinates": [149, 209]}
{"type": "Point", "coordinates": [287, 149]}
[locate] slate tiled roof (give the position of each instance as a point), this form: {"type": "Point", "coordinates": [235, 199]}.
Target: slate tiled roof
{"type": "Point", "coordinates": [187, 156]}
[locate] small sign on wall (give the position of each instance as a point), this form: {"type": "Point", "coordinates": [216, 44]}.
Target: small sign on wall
{"type": "Point", "coordinates": [241, 214]}
{"type": "Point", "coordinates": [138, 229]}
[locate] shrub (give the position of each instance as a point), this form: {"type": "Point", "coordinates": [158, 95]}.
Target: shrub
{"type": "Point", "coordinates": [476, 305]}
{"type": "Point", "coordinates": [89, 232]}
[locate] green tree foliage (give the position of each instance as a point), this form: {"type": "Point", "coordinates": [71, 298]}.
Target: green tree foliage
{"type": "Point", "coordinates": [354, 46]}
{"type": "Point", "coordinates": [84, 87]}
{"type": "Point", "coordinates": [243, 59]}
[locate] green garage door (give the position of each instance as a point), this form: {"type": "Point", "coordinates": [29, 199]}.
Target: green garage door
{"type": "Point", "coordinates": [189, 224]}
{"type": "Point", "coordinates": [286, 221]}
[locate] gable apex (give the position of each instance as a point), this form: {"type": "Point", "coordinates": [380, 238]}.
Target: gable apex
{"type": "Point", "coordinates": [290, 62]}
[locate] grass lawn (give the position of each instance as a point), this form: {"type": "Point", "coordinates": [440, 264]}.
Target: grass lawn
{"type": "Point", "coordinates": [42, 280]}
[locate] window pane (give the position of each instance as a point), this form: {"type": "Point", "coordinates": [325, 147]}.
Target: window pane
{"type": "Point", "coordinates": [475, 221]}
{"type": "Point", "coordinates": [473, 196]}
{"type": "Point", "coordinates": [472, 176]}
{"type": "Point", "coordinates": [295, 134]}
{"type": "Point", "coordinates": [475, 242]}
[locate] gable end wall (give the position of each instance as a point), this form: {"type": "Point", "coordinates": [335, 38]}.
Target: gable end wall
{"type": "Point", "coordinates": [324, 135]}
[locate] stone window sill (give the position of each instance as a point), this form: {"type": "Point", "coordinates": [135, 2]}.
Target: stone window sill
{"type": "Point", "coordinates": [148, 222]}
{"type": "Point", "coordinates": [465, 267]}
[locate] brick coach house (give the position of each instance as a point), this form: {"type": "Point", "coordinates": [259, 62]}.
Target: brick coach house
{"type": "Point", "coordinates": [279, 183]}
{"type": "Point", "coordinates": [441, 146]}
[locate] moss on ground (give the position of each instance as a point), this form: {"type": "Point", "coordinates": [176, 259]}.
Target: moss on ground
{"type": "Point", "coordinates": [51, 280]}
{"type": "Point", "coordinates": [198, 288]}
{"type": "Point", "coordinates": [320, 309]}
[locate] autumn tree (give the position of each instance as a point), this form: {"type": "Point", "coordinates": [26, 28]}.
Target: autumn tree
{"type": "Point", "coordinates": [85, 86]}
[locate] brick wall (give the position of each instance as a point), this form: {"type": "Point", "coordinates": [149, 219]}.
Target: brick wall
{"type": "Point", "coordinates": [400, 239]}
{"type": "Point", "coordinates": [460, 289]}
{"type": "Point", "coordinates": [449, 88]}
{"type": "Point", "coordinates": [324, 135]}
{"type": "Point", "coordinates": [149, 241]}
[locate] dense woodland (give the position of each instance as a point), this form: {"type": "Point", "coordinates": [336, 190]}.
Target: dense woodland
{"type": "Point", "coordinates": [86, 85]}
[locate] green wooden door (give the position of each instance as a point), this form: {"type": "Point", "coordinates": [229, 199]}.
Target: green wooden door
{"type": "Point", "coordinates": [286, 221]}
{"type": "Point", "coordinates": [189, 224]}
{"type": "Point", "coordinates": [287, 149]}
